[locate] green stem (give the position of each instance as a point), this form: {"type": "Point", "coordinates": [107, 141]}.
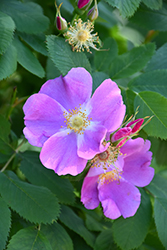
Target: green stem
{"type": "Point", "coordinates": [75, 17]}
{"type": "Point", "coordinates": [12, 156]}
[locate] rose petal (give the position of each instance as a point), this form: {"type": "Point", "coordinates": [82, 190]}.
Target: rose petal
{"type": "Point", "coordinates": [90, 142]}
{"type": "Point", "coordinates": [43, 118]}
{"type": "Point", "coordinates": [89, 192]}
{"type": "Point", "coordinates": [59, 153]}
{"type": "Point", "coordinates": [119, 198]}
{"type": "Point", "coordinates": [136, 164]}
{"type": "Point", "coordinates": [107, 106]}
{"type": "Point", "coordinates": [70, 91]}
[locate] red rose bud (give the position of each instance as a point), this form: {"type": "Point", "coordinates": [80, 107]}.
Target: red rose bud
{"type": "Point", "coordinates": [93, 12]}
{"type": "Point", "coordinates": [128, 131]}
{"type": "Point", "coordinates": [84, 4]}
{"type": "Point", "coordinates": [61, 23]}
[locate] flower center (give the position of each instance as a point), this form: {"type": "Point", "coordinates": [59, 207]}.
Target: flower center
{"type": "Point", "coordinates": [110, 176]}
{"type": "Point", "coordinates": [77, 120]}
{"type": "Point", "coordinates": [103, 156]}
{"type": "Point", "coordinates": [82, 35]}
{"type": "Point", "coordinates": [106, 158]}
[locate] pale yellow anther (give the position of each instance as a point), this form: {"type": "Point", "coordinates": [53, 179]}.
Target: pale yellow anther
{"type": "Point", "coordinates": [76, 120]}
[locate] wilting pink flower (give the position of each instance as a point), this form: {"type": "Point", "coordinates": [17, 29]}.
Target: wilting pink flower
{"type": "Point", "coordinates": [68, 124]}
{"type": "Point", "coordinates": [113, 177]}
{"type": "Point", "coordinates": [128, 131]}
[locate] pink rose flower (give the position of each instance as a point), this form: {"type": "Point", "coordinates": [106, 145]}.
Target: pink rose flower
{"type": "Point", "coordinates": [68, 124]}
{"type": "Point", "coordinates": [113, 177]}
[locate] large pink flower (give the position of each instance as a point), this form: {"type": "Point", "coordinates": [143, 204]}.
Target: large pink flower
{"type": "Point", "coordinates": [68, 124]}
{"type": "Point", "coordinates": [113, 178]}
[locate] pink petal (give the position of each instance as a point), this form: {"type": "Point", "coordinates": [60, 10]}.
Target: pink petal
{"type": "Point", "coordinates": [59, 153]}
{"type": "Point", "coordinates": [89, 192]}
{"type": "Point", "coordinates": [70, 91]}
{"type": "Point", "coordinates": [43, 118]}
{"type": "Point", "coordinates": [119, 198]}
{"type": "Point", "coordinates": [137, 125]}
{"type": "Point", "coordinates": [90, 143]}
{"type": "Point", "coordinates": [107, 106]}
{"type": "Point", "coordinates": [137, 160]}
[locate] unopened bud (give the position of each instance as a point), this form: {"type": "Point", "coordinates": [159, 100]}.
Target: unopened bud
{"type": "Point", "coordinates": [61, 23]}
{"type": "Point", "coordinates": [84, 4]}
{"type": "Point", "coordinates": [93, 12]}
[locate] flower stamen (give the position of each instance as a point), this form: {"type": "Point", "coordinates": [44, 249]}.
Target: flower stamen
{"type": "Point", "coordinates": [110, 176]}
{"type": "Point", "coordinates": [106, 158]}
{"type": "Point", "coordinates": [76, 120]}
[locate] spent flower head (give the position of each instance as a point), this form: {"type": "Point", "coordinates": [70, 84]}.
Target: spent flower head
{"type": "Point", "coordinates": [80, 36]}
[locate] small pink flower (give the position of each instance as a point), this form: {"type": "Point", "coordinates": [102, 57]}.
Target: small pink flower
{"type": "Point", "coordinates": [68, 124]}
{"type": "Point", "coordinates": [113, 178]}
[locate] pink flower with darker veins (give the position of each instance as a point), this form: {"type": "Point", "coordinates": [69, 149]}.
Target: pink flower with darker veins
{"type": "Point", "coordinates": [113, 177]}
{"type": "Point", "coordinates": [68, 124]}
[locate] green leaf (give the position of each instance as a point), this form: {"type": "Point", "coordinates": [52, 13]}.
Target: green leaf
{"type": "Point", "coordinates": [158, 186]}
{"type": "Point", "coordinates": [92, 224]}
{"type": "Point", "coordinates": [151, 81]}
{"type": "Point", "coordinates": [37, 42]}
{"type": "Point", "coordinates": [129, 97]}
{"type": "Point", "coordinates": [4, 128]}
{"type": "Point", "coordinates": [5, 149]}
{"type": "Point", "coordinates": [7, 27]}
{"type": "Point", "coordinates": [29, 238]}
{"type": "Point", "coordinates": [161, 156]}
{"type": "Point", "coordinates": [105, 241]}
{"type": "Point", "coordinates": [153, 104]}
{"type": "Point", "coordinates": [159, 60]}
{"type": "Point", "coordinates": [75, 223]}
{"type": "Point", "coordinates": [98, 78]}
{"type": "Point", "coordinates": [153, 4]}
{"type": "Point", "coordinates": [51, 70]}
{"type": "Point", "coordinates": [130, 233]}
{"type": "Point", "coordinates": [28, 60]}
{"type": "Point", "coordinates": [63, 57]}
{"type": "Point", "coordinates": [8, 62]}
{"type": "Point", "coordinates": [5, 219]}
{"type": "Point", "coordinates": [127, 8]}
{"type": "Point", "coordinates": [129, 63]}
{"type": "Point", "coordinates": [106, 12]}
{"type": "Point", "coordinates": [160, 211]}
{"type": "Point", "coordinates": [36, 204]}
{"type": "Point", "coordinates": [152, 242]}
{"type": "Point", "coordinates": [57, 236]}
{"type": "Point", "coordinates": [28, 17]}
{"type": "Point", "coordinates": [37, 174]}
{"type": "Point", "coordinates": [151, 19]}
{"type": "Point", "coordinates": [103, 59]}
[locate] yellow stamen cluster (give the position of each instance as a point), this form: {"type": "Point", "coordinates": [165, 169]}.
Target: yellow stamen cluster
{"type": "Point", "coordinates": [110, 176]}
{"type": "Point", "coordinates": [106, 158]}
{"type": "Point", "coordinates": [79, 36]}
{"type": "Point", "coordinates": [77, 120]}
